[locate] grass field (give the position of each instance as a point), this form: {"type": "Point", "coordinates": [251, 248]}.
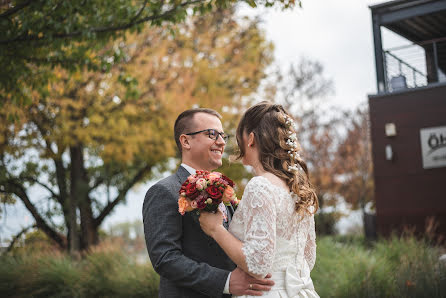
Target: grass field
{"type": "Point", "coordinates": [345, 267]}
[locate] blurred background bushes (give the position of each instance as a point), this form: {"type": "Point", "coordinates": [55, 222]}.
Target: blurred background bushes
{"type": "Point", "coordinates": [346, 266]}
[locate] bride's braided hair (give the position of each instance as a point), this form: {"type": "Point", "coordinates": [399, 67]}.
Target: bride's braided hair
{"type": "Point", "coordinates": [278, 148]}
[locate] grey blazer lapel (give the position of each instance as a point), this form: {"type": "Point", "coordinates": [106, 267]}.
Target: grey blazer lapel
{"type": "Point", "coordinates": [182, 174]}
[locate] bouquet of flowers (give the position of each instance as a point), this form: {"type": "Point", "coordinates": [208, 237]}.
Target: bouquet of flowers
{"type": "Point", "coordinates": [205, 191]}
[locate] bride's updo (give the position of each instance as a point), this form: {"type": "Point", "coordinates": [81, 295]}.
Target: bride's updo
{"type": "Point", "coordinates": [279, 151]}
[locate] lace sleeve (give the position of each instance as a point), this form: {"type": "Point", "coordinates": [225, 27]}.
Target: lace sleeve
{"type": "Point", "coordinates": [259, 227]}
{"type": "Point", "coordinates": [310, 246]}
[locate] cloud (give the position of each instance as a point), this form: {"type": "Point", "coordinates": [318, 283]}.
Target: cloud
{"type": "Point", "coordinates": [336, 33]}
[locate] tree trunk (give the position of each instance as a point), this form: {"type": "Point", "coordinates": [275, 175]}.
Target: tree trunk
{"type": "Point", "coordinates": [72, 204]}
{"type": "Point", "coordinates": [79, 182]}
{"type": "Point", "coordinates": [66, 202]}
{"type": "Point", "coordinates": [89, 230]}
{"type": "Point", "coordinates": [368, 221]}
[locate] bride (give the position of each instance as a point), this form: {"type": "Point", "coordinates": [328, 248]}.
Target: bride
{"type": "Point", "coordinates": [272, 230]}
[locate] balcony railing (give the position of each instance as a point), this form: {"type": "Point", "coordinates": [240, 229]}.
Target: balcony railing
{"type": "Point", "coordinates": [415, 65]}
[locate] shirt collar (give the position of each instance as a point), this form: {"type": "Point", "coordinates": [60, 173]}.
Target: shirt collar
{"type": "Point", "coordinates": [191, 170]}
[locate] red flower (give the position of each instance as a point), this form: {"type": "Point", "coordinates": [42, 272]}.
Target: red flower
{"type": "Point", "coordinates": [230, 182]}
{"type": "Point", "coordinates": [183, 188]}
{"type": "Point", "coordinates": [212, 188]}
{"type": "Point", "coordinates": [191, 191]}
{"type": "Point", "coordinates": [201, 173]}
{"type": "Point", "coordinates": [201, 202]}
{"type": "Point", "coordinates": [213, 192]}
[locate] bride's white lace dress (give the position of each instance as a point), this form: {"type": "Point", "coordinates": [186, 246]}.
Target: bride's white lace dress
{"type": "Point", "coordinates": [276, 239]}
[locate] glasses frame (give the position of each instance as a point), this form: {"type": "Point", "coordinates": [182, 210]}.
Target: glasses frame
{"type": "Point", "coordinates": [224, 136]}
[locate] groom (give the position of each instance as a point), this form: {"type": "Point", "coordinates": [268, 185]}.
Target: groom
{"type": "Point", "coordinates": [190, 263]}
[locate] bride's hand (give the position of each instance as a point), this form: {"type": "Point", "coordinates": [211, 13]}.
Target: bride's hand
{"type": "Point", "coordinates": [209, 222]}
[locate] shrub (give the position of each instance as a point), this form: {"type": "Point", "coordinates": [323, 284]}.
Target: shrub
{"type": "Point", "coordinates": [104, 272]}
{"type": "Point", "coordinates": [346, 266]}
{"type": "Point", "coordinates": [397, 267]}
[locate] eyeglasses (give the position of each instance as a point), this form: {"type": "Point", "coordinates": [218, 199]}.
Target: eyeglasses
{"type": "Point", "coordinates": [212, 134]}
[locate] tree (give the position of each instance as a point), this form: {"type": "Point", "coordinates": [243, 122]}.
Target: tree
{"type": "Point", "coordinates": [98, 133]}
{"type": "Point", "coordinates": [354, 163]}
{"type": "Point", "coordinates": [130, 235]}
{"type": "Point", "coordinates": [302, 91]}
{"type": "Point", "coordinates": [38, 36]}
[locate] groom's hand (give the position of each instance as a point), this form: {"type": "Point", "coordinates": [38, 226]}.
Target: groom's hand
{"type": "Point", "coordinates": [241, 283]}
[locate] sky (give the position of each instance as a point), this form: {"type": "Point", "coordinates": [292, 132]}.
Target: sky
{"type": "Point", "coordinates": [337, 33]}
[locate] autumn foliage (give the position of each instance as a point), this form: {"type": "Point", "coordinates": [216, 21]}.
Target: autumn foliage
{"type": "Point", "coordinates": [97, 133]}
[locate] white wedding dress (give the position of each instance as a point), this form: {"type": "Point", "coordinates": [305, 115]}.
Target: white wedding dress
{"type": "Point", "coordinates": [276, 239]}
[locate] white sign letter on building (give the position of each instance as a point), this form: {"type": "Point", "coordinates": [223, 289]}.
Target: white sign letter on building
{"type": "Point", "coordinates": [433, 147]}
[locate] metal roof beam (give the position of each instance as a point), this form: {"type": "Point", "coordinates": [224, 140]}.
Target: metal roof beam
{"type": "Point", "coordinates": [379, 57]}
{"type": "Point", "coordinates": [409, 12]}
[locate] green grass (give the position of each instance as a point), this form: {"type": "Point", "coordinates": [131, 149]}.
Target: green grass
{"type": "Point", "coordinates": [345, 267]}
{"type": "Point", "coordinates": [397, 267]}
{"type": "Point", "coordinates": [102, 273]}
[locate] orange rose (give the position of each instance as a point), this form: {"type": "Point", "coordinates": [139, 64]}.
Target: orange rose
{"type": "Point", "coordinates": [214, 176]}
{"type": "Point", "coordinates": [184, 205]}
{"type": "Point", "coordinates": [228, 195]}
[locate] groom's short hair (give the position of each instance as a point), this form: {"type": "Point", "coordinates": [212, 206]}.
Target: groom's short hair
{"type": "Point", "coordinates": [184, 124]}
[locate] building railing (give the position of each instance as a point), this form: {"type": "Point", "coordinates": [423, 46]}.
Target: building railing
{"type": "Point", "coordinates": [415, 65]}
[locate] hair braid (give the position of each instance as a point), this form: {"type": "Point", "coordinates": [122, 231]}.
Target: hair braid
{"type": "Point", "coordinates": [279, 150]}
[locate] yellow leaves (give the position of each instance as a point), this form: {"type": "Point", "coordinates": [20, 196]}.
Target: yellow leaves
{"type": "Point", "coordinates": [130, 110]}
{"type": "Point", "coordinates": [96, 119]}
{"type": "Point", "coordinates": [91, 55]}
{"type": "Point", "coordinates": [77, 75]}
{"type": "Point", "coordinates": [123, 125]}
{"type": "Point", "coordinates": [119, 153]}
{"type": "Point", "coordinates": [197, 67]}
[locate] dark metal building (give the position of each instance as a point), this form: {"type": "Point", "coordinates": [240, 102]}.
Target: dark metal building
{"type": "Point", "coordinates": [408, 116]}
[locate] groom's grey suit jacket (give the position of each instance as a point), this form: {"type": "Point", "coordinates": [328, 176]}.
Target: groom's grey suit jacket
{"type": "Point", "coordinates": [190, 263]}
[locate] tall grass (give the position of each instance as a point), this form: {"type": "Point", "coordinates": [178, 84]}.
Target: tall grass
{"type": "Point", "coordinates": [397, 267]}
{"type": "Point", "coordinates": [105, 272]}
